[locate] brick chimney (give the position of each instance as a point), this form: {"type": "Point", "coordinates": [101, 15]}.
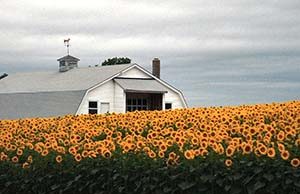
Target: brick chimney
{"type": "Point", "coordinates": [156, 67]}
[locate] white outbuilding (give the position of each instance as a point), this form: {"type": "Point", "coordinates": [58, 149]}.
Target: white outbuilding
{"type": "Point", "coordinates": [90, 90]}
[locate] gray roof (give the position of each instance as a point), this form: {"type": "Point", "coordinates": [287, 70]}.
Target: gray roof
{"type": "Point", "coordinates": [74, 79]}
{"type": "Point", "coordinates": [141, 85]}
{"type": "Point", "coordinates": [45, 94]}
{"type": "Point", "coordinates": [68, 58]}
{"type": "Point", "coordinates": [42, 104]}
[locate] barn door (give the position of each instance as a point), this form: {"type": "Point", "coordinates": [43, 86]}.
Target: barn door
{"type": "Point", "coordinates": [104, 107]}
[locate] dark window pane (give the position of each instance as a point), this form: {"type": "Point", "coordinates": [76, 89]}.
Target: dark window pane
{"type": "Point", "coordinates": [93, 111]}
{"type": "Point", "coordinates": [133, 108]}
{"type": "Point", "coordinates": [144, 101]}
{"type": "Point", "coordinates": [93, 104]}
{"type": "Point", "coordinates": [128, 101]}
{"type": "Point", "coordinates": [134, 101]}
{"type": "Point", "coordinates": [139, 101]}
{"type": "Point", "coordinates": [168, 106]}
{"type": "Point", "coordinates": [139, 108]}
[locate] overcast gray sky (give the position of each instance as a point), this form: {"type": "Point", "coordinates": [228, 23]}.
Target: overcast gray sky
{"type": "Point", "coordinates": [217, 52]}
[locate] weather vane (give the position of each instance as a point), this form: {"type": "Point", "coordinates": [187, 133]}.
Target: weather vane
{"type": "Point", "coordinates": [67, 44]}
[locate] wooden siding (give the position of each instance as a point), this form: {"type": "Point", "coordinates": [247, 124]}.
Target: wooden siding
{"type": "Point", "coordinates": [112, 92]}
{"type": "Point", "coordinates": [134, 73]}
{"type": "Point", "coordinates": [103, 93]}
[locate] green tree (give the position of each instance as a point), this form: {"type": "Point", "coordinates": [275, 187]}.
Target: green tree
{"type": "Point", "coordinates": [116, 61]}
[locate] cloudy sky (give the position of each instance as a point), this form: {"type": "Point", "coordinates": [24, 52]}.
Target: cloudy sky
{"type": "Point", "coordinates": [217, 52]}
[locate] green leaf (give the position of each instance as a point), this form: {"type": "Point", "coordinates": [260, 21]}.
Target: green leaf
{"type": "Point", "coordinates": [269, 177]}
{"type": "Point", "coordinates": [236, 189]}
{"type": "Point", "coordinates": [206, 177]}
{"type": "Point", "coordinates": [94, 171]}
{"type": "Point", "coordinates": [237, 176]}
{"type": "Point", "coordinates": [258, 170]}
{"type": "Point", "coordinates": [121, 189]}
{"type": "Point", "coordinates": [173, 177]}
{"type": "Point", "coordinates": [77, 177]}
{"type": "Point", "coordinates": [288, 181]}
{"type": "Point", "coordinates": [258, 185]}
{"type": "Point", "coordinates": [125, 177]}
{"type": "Point", "coordinates": [247, 180]}
{"type": "Point", "coordinates": [297, 183]}
{"type": "Point", "coordinates": [167, 189]}
{"type": "Point", "coordinates": [54, 187]}
{"type": "Point", "coordinates": [220, 182]}
{"type": "Point", "coordinates": [7, 184]}
{"type": "Point", "coordinates": [186, 185]}
{"type": "Point", "coordinates": [117, 175]}
{"type": "Point", "coordinates": [227, 187]}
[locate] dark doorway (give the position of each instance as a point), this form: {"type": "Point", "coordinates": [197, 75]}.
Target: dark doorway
{"type": "Point", "coordinates": [143, 101]}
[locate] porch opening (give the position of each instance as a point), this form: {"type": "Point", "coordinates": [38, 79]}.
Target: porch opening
{"type": "Point", "coordinates": [143, 101]}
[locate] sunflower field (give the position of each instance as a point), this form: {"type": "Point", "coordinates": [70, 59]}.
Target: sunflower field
{"type": "Point", "coordinates": [242, 149]}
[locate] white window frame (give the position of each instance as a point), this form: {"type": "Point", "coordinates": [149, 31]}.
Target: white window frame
{"type": "Point", "coordinates": [137, 106]}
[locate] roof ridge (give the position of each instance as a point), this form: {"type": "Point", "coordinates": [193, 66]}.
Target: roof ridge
{"type": "Point", "coordinates": [85, 67]}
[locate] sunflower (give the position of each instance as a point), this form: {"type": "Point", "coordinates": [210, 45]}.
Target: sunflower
{"type": "Point", "coordinates": [247, 148]}
{"type": "Point", "coordinates": [262, 149]}
{"type": "Point", "coordinates": [85, 153]}
{"type": "Point", "coordinates": [172, 155]}
{"type": "Point", "coordinates": [78, 157]}
{"type": "Point", "coordinates": [106, 153]}
{"type": "Point", "coordinates": [161, 154]}
{"type": "Point", "coordinates": [59, 159]}
{"type": "Point", "coordinates": [285, 155]}
{"type": "Point", "coordinates": [25, 165]}
{"type": "Point", "coordinates": [295, 162]}
{"type": "Point", "coordinates": [151, 154]}
{"type": "Point", "coordinates": [228, 162]}
{"type": "Point", "coordinates": [281, 147]}
{"type": "Point", "coordinates": [3, 157]}
{"type": "Point", "coordinates": [230, 151]}
{"type": "Point", "coordinates": [15, 159]}
{"type": "Point", "coordinates": [271, 152]}
{"type": "Point", "coordinates": [19, 152]}
{"type": "Point", "coordinates": [29, 159]}
{"type": "Point", "coordinates": [189, 154]}
{"type": "Point", "coordinates": [45, 152]}
{"type": "Point", "coordinates": [163, 147]}
{"type": "Point", "coordinates": [280, 136]}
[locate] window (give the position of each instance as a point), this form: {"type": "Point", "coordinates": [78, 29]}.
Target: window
{"type": "Point", "coordinates": [168, 106]}
{"type": "Point", "coordinates": [133, 104]}
{"type": "Point", "coordinates": [62, 63]}
{"type": "Point", "coordinates": [104, 107]}
{"type": "Point", "coordinates": [93, 107]}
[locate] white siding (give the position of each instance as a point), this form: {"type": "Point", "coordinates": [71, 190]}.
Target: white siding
{"type": "Point", "coordinates": [103, 93]}
{"type": "Point", "coordinates": [119, 105]}
{"type": "Point", "coordinates": [174, 98]}
{"type": "Point", "coordinates": [112, 93]}
{"type": "Point", "coordinates": [134, 73]}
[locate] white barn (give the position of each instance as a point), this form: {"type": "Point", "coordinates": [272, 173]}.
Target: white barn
{"type": "Point", "coordinates": [93, 90]}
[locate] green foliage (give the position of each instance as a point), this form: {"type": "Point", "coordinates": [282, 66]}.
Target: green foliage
{"type": "Point", "coordinates": [131, 173]}
{"type": "Point", "coordinates": [116, 61]}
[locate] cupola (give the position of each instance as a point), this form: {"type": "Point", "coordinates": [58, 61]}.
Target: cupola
{"type": "Point", "coordinates": [67, 62]}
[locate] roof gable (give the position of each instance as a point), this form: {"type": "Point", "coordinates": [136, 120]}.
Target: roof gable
{"type": "Point", "coordinates": [163, 83]}
{"type": "Point", "coordinates": [68, 58]}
